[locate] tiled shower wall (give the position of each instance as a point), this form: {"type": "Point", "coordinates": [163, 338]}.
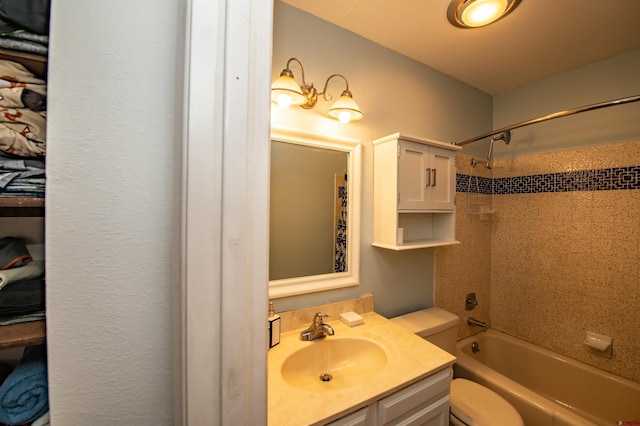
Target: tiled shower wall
{"type": "Point", "coordinates": [466, 267]}
{"type": "Point", "coordinates": [564, 251]}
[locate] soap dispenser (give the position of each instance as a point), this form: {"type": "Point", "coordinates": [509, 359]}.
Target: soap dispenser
{"type": "Point", "coordinates": [274, 326]}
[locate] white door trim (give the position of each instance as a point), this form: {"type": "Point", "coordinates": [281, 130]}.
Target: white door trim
{"type": "Point", "coordinates": [225, 211]}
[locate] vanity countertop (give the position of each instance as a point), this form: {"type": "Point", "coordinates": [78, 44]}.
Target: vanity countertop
{"type": "Point", "coordinates": [409, 359]}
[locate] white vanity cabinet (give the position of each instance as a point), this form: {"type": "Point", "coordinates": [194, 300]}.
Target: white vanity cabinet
{"type": "Point", "coordinates": [422, 403]}
{"type": "Point", "coordinates": [414, 185]}
{"type": "Point", "coordinates": [363, 417]}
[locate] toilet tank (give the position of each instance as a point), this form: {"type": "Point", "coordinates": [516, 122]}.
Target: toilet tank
{"type": "Point", "coordinates": [434, 324]}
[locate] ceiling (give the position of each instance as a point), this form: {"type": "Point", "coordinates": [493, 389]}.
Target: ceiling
{"type": "Point", "coordinates": [539, 39]}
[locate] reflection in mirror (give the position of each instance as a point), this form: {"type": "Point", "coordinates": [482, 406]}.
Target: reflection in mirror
{"type": "Point", "coordinates": [308, 211]}
{"type": "Point", "coordinates": [314, 212]}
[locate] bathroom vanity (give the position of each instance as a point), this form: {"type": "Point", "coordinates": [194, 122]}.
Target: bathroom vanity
{"type": "Point", "coordinates": [425, 402]}
{"type": "Point", "coordinates": [379, 374]}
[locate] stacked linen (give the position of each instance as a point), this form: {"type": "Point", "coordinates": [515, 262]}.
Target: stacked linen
{"type": "Point", "coordinates": [23, 104]}
{"type": "Point", "coordinates": [22, 300]}
{"type": "Point", "coordinates": [21, 177]}
{"type": "Point", "coordinates": [24, 25]}
{"type": "Point", "coordinates": [25, 42]}
{"type": "Point", "coordinates": [44, 420]}
{"type": "Point", "coordinates": [22, 284]}
{"type": "Point", "coordinates": [24, 395]}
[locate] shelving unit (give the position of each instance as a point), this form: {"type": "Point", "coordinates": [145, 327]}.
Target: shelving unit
{"type": "Point", "coordinates": [24, 334]}
{"type": "Point", "coordinates": [21, 207]}
{"type": "Point", "coordinates": [37, 64]}
{"type": "Point", "coordinates": [33, 332]}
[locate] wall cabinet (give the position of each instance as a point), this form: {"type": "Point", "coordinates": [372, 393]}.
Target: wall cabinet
{"type": "Point", "coordinates": [414, 184]}
{"type": "Point", "coordinates": [423, 403]}
{"type": "Point", "coordinates": [426, 177]}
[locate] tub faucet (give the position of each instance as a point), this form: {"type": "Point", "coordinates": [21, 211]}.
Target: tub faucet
{"type": "Point", "coordinates": [318, 329]}
{"type": "Point", "coordinates": [473, 321]}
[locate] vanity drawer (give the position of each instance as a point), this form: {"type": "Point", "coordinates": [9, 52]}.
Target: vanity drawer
{"type": "Point", "coordinates": [363, 417]}
{"type": "Point", "coordinates": [414, 397]}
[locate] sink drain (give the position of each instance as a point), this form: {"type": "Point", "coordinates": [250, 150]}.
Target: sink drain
{"type": "Point", "coordinates": [326, 377]}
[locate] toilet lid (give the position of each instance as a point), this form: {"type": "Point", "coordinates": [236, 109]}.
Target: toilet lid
{"type": "Point", "coordinates": [477, 405]}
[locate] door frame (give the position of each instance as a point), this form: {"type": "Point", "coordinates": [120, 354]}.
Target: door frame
{"type": "Point", "coordinates": [223, 378]}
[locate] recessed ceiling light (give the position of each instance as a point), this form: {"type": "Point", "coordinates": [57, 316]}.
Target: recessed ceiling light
{"type": "Point", "coordinates": [478, 13]}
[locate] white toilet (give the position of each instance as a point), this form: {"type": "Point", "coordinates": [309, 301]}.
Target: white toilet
{"type": "Point", "coordinates": [471, 403]}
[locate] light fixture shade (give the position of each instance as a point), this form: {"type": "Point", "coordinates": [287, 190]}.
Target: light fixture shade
{"type": "Point", "coordinates": [285, 91]}
{"type": "Point", "coordinates": [478, 13]}
{"type": "Point", "coordinates": [346, 109]}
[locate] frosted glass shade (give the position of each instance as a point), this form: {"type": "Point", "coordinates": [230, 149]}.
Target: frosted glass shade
{"type": "Point", "coordinates": [346, 109]}
{"type": "Point", "coordinates": [285, 91]}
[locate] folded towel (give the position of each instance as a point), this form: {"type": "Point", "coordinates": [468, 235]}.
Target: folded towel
{"type": "Point", "coordinates": [23, 294]}
{"type": "Point", "coordinates": [42, 421]}
{"type": "Point", "coordinates": [20, 310]}
{"type": "Point", "coordinates": [24, 396]}
{"type": "Point", "coordinates": [19, 319]}
{"type": "Point", "coordinates": [22, 194]}
{"type": "Point", "coordinates": [32, 270]}
{"type": "Point", "coordinates": [28, 15]}
{"type": "Point", "coordinates": [13, 253]}
{"type": "Point", "coordinates": [23, 46]}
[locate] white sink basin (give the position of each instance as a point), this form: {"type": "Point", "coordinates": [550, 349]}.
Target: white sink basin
{"type": "Point", "coordinates": [333, 363]}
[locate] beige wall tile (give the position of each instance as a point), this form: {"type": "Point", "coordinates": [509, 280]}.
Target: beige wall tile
{"type": "Point", "coordinates": [549, 267]}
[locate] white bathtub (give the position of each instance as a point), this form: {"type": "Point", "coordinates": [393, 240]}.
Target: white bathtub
{"type": "Point", "coordinates": [546, 388]}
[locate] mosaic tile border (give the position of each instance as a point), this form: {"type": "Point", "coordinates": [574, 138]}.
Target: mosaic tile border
{"type": "Point", "coordinates": [477, 184]}
{"type": "Point", "coordinates": [617, 178]}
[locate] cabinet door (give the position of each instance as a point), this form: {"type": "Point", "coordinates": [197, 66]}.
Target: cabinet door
{"type": "Point", "coordinates": [436, 414]}
{"type": "Point", "coordinates": [426, 177]}
{"type": "Point", "coordinates": [414, 176]}
{"type": "Point", "coordinates": [442, 181]}
{"type": "Point", "coordinates": [424, 402]}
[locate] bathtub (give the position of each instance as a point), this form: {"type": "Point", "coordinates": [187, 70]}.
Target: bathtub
{"type": "Point", "coordinates": [547, 388]}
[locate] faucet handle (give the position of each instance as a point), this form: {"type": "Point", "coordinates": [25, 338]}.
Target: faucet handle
{"type": "Point", "coordinates": [317, 318]}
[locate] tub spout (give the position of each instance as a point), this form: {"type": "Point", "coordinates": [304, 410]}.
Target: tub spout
{"type": "Point", "coordinates": [473, 321]}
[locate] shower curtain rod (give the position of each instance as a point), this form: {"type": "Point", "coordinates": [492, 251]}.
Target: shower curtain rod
{"type": "Point", "coordinates": [552, 116]}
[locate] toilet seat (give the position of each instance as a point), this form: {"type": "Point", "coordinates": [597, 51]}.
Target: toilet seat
{"type": "Point", "coordinates": [476, 405]}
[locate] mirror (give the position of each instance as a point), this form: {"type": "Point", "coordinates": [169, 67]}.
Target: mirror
{"type": "Point", "coordinates": [308, 204]}
{"type": "Point", "coordinates": [314, 212]}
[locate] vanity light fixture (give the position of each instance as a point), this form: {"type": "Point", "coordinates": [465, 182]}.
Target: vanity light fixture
{"type": "Point", "coordinates": [285, 91]}
{"type": "Point", "coordinates": [478, 13]}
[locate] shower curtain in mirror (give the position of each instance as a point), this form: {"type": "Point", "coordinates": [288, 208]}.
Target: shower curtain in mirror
{"type": "Point", "coordinates": [340, 224]}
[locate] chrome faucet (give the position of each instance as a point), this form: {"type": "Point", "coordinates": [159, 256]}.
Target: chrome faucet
{"type": "Point", "coordinates": [473, 321]}
{"type": "Point", "coordinates": [318, 329]}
